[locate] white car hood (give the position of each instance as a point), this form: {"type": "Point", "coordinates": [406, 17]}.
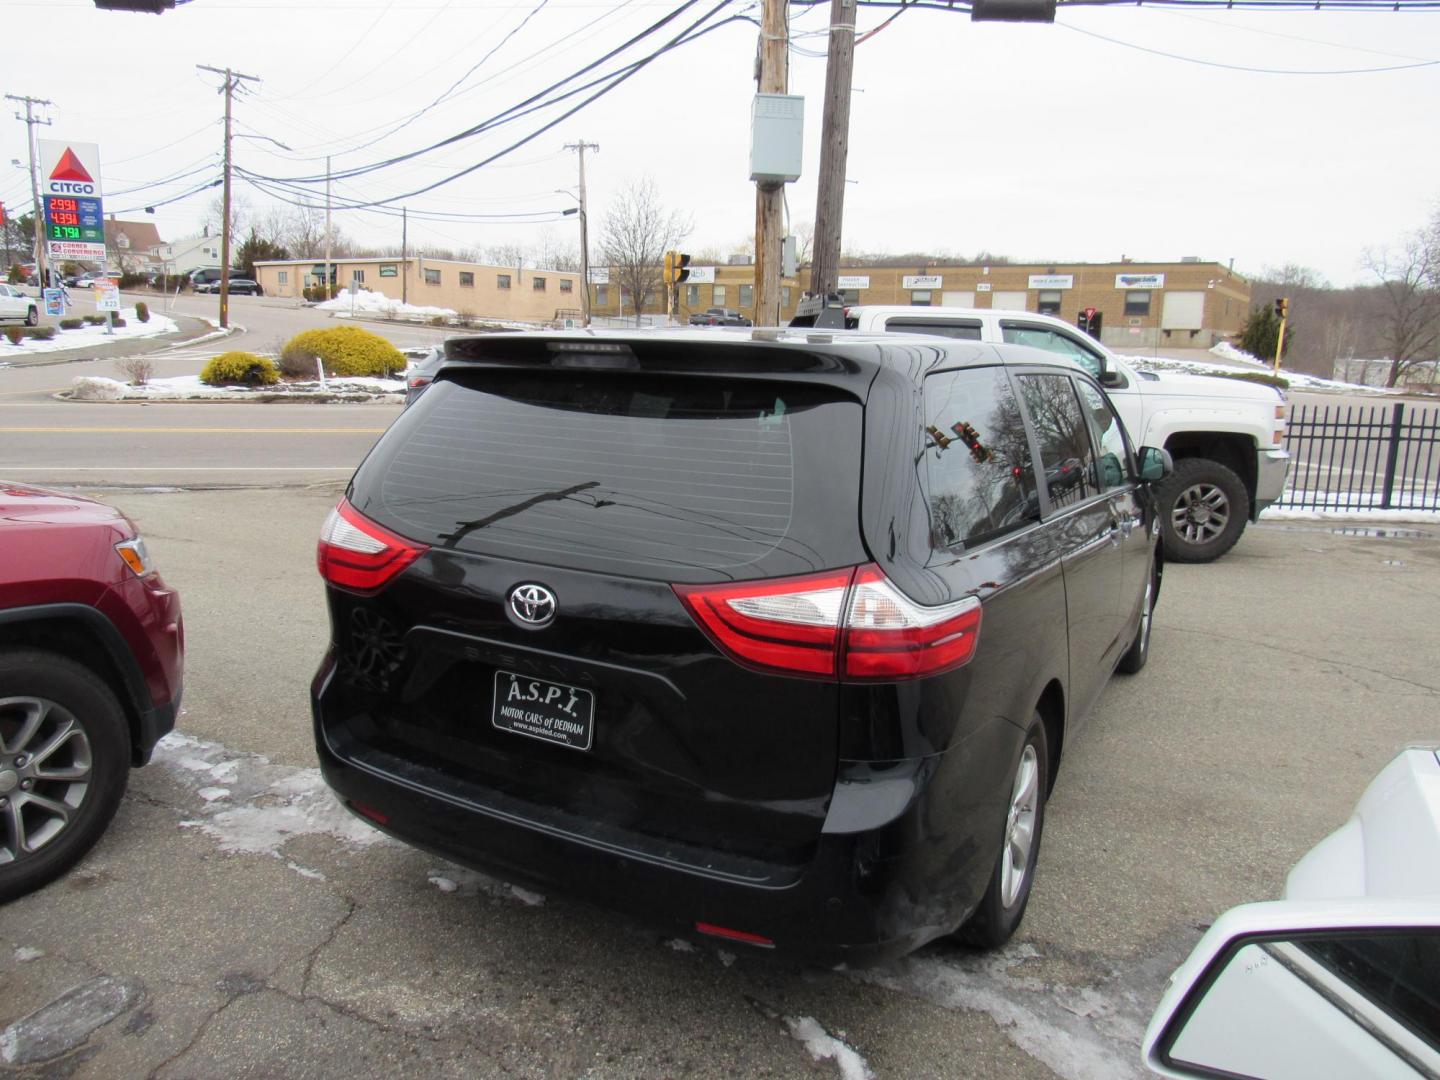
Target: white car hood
{"type": "Point", "coordinates": [1182, 384]}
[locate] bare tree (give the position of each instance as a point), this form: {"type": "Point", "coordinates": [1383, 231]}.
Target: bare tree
{"type": "Point", "coordinates": [637, 231]}
{"type": "Point", "coordinates": [508, 254]}
{"type": "Point", "coordinates": [804, 242]}
{"type": "Point", "coordinates": [1291, 276]}
{"type": "Point", "coordinates": [240, 210]}
{"type": "Point", "coordinates": [303, 233]}
{"type": "Point", "coordinates": [1409, 276]}
{"type": "Point", "coordinates": [551, 253]}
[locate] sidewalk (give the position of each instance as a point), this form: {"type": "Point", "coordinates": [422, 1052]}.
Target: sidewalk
{"type": "Point", "coordinates": [190, 329]}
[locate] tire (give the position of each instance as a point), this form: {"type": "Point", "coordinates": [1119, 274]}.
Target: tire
{"type": "Point", "coordinates": [1002, 907]}
{"type": "Point", "coordinates": [1139, 651]}
{"type": "Point", "coordinates": [64, 802]}
{"type": "Point", "coordinates": [32, 317]}
{"type": "Point", "coordinates": [1203, 506]}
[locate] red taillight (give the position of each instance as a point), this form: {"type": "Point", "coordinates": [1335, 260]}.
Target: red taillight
{"type": "Point", "coordinates": [711, 930]}
{"type": "Point", "coordinates": [850, 624]}
{"type": "Point", "coordinates": [370, 812]}
{"type": "Point", "coordinates": [357, 554]}
{"type": "Point", "coordinates": [419, 381]}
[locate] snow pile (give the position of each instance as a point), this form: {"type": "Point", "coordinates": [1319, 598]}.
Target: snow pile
{"type": "Point", "coordinates": [825, 1047]}
{"type": "Point", "coordinates": [87, 337]}
{"type": "Point", "coordinates": [1228, 365]}
{"type": "Point", "coordinates": [97, 388]}
{"type": "Point", "coordinates": [364, 302]}
{"type": "Point", "coordinates": [1226, 351]}
{"type": "Point", "coordinates": [179, 387]}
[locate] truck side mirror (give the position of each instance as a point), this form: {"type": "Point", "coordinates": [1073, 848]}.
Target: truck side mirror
{"type": "Point", "coordinates": [1155, 463]}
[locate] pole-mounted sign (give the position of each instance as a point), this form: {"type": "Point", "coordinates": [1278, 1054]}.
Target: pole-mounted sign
{"type": "Point", "coordinates": [71, 193]}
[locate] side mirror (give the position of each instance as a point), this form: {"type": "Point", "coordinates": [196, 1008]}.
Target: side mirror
{"type": "Point", "coordinates": [1155, 464]}
{"type": "Point", "coordinates": [1292, 990]}
{"type": "Point", "coordinates": [1111, 379]}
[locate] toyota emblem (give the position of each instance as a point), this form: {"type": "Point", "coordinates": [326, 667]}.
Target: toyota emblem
{"type": "Point", "coordinates": [532, 605]}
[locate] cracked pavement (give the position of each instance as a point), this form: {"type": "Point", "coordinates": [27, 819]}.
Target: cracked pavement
{"type": "Point", "coordinates": [234, 922]}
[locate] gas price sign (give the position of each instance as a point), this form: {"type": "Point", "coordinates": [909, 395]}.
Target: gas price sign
{"type": "Point", "coordinates": [71, 193]}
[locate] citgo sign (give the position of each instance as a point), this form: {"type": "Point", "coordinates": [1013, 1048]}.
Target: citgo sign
{"type": "Point", "coordinates": [71, 193]}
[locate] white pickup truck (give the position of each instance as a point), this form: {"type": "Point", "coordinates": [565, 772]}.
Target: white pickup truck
{"type": "Point", "coordinates": [1225, 435]}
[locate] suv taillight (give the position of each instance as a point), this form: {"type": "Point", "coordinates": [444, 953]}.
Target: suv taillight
{"type": "Point", "coordinates": [851, 624]}
{"type": "Point", "coordinates": [359, 555]}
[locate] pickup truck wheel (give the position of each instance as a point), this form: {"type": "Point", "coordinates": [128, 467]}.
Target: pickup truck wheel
{"type": "Point", "coordinates": [32, 317]}
{"type": "Point", "coordinates": [1002, 907]}
{"type": "Point", "coordinates": [64, 763]}
{"type": "Point", "coordinates": [1203, 507]}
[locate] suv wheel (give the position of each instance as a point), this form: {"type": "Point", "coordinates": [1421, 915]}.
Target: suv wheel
{"type": "Point", "coordinates": [1139, 651]}
{"type": "Point", "coordinates": [1203, 506]}
{"type": "Point", "coordinates": [1003, 905]}
{"type": "Point", "coordinates": [64, 762]}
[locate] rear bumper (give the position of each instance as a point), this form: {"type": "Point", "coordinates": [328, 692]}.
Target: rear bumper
{"type": "Point", "coordinates": [867, 894]}
{"type": "Point", "coordinates": [1271, 467]}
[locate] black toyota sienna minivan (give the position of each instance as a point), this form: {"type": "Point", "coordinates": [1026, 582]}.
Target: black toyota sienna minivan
{"type": "Point", "coordinates": [767, 635]}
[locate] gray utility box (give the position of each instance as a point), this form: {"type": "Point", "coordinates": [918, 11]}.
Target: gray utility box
{"type": "Point", "coordinates": [777, 137]}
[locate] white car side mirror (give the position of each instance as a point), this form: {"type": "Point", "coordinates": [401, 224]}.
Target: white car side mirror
{"type": "Point", "coordinates": [1298, 990]}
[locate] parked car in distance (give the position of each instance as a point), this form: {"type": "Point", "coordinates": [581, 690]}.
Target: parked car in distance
{"type": "Point", "coordinates": [1340, 978]}
{"type": "Point", "coordinates": [1226, 436]}
{"type": "Point", "coordinates": [718, 317]}
{"type": "Point", "coordinates": [421, 373]}
{"type": "Point", "coordinates": [15, 306]}
{"type": "Point", "coordinates": [91, 660]}
{"type": "Point", "coordinates": [242, 287]}
{"type": "Point", "coordinates": [719, 630]}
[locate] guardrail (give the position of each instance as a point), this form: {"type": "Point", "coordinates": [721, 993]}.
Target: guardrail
{"type": "Point", "coordinates": [1363, 457]}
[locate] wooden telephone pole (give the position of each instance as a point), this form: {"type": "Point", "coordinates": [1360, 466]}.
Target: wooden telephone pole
{"type": "Point", "coordinates": [834, 149]}
{"type": "Point", "coordinates": [232, 79]}
{"type": "Point", "coordinates": [39, 212]}
{"type": "Point", "coordinates": [773, 78]}
{"type": "Point", "coordinates": [580, 148]}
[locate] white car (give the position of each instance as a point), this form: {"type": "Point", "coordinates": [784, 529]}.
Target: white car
{"type": "Point", "coordinates": [15, 305]}
{"type": "Point", "coordinates": [1339, 979]}
{"type": "Point", "coordinates": [1226, 436]}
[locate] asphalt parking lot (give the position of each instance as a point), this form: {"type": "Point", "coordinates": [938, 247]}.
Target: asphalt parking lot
{"type": "Point", "coordinates": [234, 922]}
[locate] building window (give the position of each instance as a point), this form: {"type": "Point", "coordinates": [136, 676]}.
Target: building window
{"type": "Point", "coordinates": [692, 295]}
{"type": "Point", "coordinates": [920, 298]}
{"type": "Point", "coordinates": [718, 296]}
{"type": "Point", "coordinates": [1138, 302]}
{"type": "Point", "coordinates": [566, 285]}
{"type": "Point", "coordinates": [602, 295]}
{"type": "Point", "coordinates": [502, 281]}
{"type": "Point", "coordinates": [850, 297]}
{"type": "Point", "coordinates": [285, 279]}
{"type": "Point", "coordinates": [1049, 303]}
{"type": "Point", "coordinates": [538, 284]}
{"type": "Point", "coordinates": [747, 295]}
{"type": "Point", "coordinates": [784, 295]}
{"type": "Point", "coordinates": [432, 277]}
{"type": "Point", "coordinates": [467, 279]}
{"type": "Point", "coordinates": [357, 275]}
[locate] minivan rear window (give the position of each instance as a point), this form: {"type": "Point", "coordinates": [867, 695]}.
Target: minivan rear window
{"type": "Point", "coordinates": [675, 478]}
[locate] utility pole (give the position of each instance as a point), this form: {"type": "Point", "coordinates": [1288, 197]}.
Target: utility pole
{"type": "Point", "coordinates": [404, 252]}
{"type": "Point", "coordinates": [232, 79]}
{"type": "Point", "coordinates": [580, 148]}
{"type": "Point", "coordinates": [327, 227]}
{"type": "Point", "coordinates": [773, 78]}
{"type": "Point", "coordinates": [39, 211]}
{"type": "Point", "coordinates": [834, 149]}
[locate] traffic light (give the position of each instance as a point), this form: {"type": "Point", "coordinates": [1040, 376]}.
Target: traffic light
{"type": "Point", "coordinates": [1282, 308]}
{"type": "Point", "coordinates": [155, 7]}
{"type": "Point", "coordinates": [1012, 11]}
{"type": "Point", "coordinates": [670, 267]}
{"type": "Point", "coordinates": [675, 264]}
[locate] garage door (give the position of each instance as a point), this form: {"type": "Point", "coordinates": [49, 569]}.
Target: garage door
{"type": "Point", "coordinates": [1009, 301]}
{"type": "Point", "coordinates": [1183, 311]}
{"type": "Point", "coordinates": [958, 299]}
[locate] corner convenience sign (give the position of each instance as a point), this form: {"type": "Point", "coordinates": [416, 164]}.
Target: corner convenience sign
{"type": "Point", "coordinates": [70, 189]}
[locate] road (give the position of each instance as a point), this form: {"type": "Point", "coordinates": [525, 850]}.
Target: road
{"type": "Point", "coordinates": [249, 928]}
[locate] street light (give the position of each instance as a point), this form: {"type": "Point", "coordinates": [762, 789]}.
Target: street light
{"type": "Point", "coordinates": [579, 208]}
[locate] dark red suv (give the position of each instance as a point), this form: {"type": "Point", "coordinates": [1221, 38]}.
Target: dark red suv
{"type": "Point", "coordinates": [91, 653]}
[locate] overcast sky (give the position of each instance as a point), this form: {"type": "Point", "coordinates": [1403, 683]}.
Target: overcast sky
{"type": "Point", "coordinates": [1038, 142]}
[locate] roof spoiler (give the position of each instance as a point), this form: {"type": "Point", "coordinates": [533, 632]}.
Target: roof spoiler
{"type": "Point", "coordinates": [820, 312]}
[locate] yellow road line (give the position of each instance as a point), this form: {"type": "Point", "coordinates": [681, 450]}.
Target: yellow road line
{"type": "Point", "coordinates": [189, 431]}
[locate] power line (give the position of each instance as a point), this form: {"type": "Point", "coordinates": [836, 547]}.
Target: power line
{"type": "Point", "coordinates": [1244, 67]}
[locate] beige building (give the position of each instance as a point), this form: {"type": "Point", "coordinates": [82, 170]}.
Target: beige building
{"type": "Point", "coordinates": [495, 292]}
{"type": "Point", "coordinates": [1130, 304]}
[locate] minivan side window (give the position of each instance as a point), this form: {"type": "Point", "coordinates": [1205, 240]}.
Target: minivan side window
{"type": "Point", "coordinates": [1109, 435]}
{"type": "Point", "coordinates": [1043, 337]}
{"type": "Point", "coordinates": [978, 463]}
{"type": "Point", "coordinates": [963, 329]}
{"type": "Point", "coordinates": [1065, 453]}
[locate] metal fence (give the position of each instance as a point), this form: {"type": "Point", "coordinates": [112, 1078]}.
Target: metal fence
{"type": "Point", "coordinates": [1363, 457]}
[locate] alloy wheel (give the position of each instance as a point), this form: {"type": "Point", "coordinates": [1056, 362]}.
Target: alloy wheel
{"type": "Point", "coordinates": [1201, 513]}
{"type": "Point", "coordinates": [45, 774]}
{"type": "Point", "coordinates": [1020, 827]}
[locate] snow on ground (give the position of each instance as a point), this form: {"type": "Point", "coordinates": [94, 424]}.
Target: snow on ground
{"type": "Point", "coordinates": [825, 1047]}
{"type": "Point", "coordinates": [90, 336]}
{"type": "Point", "coordinates": [364, 302]}
{"type": "Point", "coordinates": [98, 388]}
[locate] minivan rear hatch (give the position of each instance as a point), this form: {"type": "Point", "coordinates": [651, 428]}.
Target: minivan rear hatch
{"type": "Point", "coordinates": [538, 649]}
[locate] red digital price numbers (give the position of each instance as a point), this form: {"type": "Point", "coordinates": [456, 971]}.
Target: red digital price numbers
{"type": "Point", "coordinates": [63, 217]}
{"type": "Point", "coordinates": [59, 206]}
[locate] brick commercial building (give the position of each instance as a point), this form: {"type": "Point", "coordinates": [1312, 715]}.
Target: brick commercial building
{"type": "Point", "coordinates": [1132, 304]}
{"type": "Point", "coordinates": [496, 292]}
